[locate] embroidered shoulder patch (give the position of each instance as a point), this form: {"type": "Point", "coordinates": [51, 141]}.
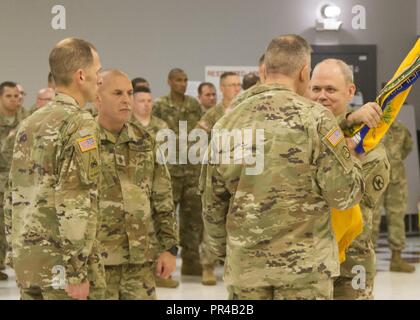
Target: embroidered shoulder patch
{"type": "Point", "coordinates": [335, 136]}
{"type": "Point", "coordinates": [87, 143]}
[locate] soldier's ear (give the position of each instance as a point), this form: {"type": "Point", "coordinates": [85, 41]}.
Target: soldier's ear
{"type": "Point", "coordinates": [304, 74]}
{"type": "Point", "coordinates": [351, 90]}
{"type": "Point", "coordinates": [79, 76]}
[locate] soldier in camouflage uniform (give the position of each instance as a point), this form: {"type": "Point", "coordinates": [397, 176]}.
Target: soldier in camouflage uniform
{"type": "Point", "coordinates": [138, 217]}
{"type": "Point", "coordinates": [142, 116]}
{"type": "Point", "coordinates": [44, 96]}
{"type": "Point", "coordinates": [52, 206]}
{"type": "Point", "coordinates": [11, 114]}
{"type": "Point", "coordinates": [207, 96]}
{"type": "Point", "coordinates": [273, 225]}
{"type": "Point", "coordinates": [398, 144]}
{"type": "Point", "coordinates": [230, 86]}
{"type": "Point", "coordinates": [173, 109]}
{"type": "Point", "coordinates": [332, 85]}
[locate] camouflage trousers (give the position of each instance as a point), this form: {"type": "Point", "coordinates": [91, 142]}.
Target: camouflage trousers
{"type": "Point", "coordinates": [130, 282]}
{"type": "Point", "coordinates": [36, 293]}
{"type": "Point", "coordinates": [193, 243]}
{"type": "Point", "coordinates": [322, 290]}
{"type": "Point", "coordinates": [3, 243]}
{"type": "Point", "coordinates": [394, 202]}
{"type": "Point", "coordinates": [357, 272]}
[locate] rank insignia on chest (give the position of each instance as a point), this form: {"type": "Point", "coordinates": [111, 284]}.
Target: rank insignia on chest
{"type": "Point", "coordinates": [335, 136]}
{"type": "Point", "coordinates": [87, 143]}
{"type": "Point", "coordinates": [120, 159]}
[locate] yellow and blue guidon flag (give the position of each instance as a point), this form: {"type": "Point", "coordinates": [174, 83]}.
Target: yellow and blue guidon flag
{"type": "Point", "coordinates": [348, 224]}
{"type": "Point", "coordinates": [390, 99]}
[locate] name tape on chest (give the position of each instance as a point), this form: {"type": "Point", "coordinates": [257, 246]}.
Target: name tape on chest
{"type": "Point", "coordinates": [87, 143]}
{"type": "Point", "coordinates": [335, 136]}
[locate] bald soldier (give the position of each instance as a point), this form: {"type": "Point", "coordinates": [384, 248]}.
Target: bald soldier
{"type": "Point", "coordinates": [272, 226]}
{"type": "Point", "coordinates": [332, 85]}
{"type": "Point", "coordinates": [53, 193]}
{"type": "Point", "coordinates": [11, 114]}
{"type": "Point", "coordinates": [138, 229]}
{"type": "Point", "coordinates": [179, 110]}
{"type": "Point", "coordinates": [142, 116]}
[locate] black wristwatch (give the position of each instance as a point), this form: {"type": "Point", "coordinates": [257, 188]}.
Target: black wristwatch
{"type": "Point", "coordinates": [173, 250]}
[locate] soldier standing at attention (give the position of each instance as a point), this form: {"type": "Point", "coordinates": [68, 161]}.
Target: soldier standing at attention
{"type": "Point", "coordinates": [138, 218]}
{"type": "Point", "coordinates": [53, 192]}
{"type": "Point", "coordinates": [332, 85]}
{"type": "Point", "coordinates": [398, 144]}
{"type": "Point", "coordinates": [142, 116]}
{"type": "Point", "coordinates": [179, 110]}
{"type": "Point", "coordinates": [11, 114]}
{"type": "Point", "coordinates": [273, 227]}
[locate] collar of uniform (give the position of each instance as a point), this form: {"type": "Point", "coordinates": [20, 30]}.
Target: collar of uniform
{"type": "Point", "coordinates": [260, 88]}
{"type": "Point", "coordinates": [20, 115]}
{"type": "Point", "coordinates": [173, 105]}
{"type": "Point", "coordinates": [106, 135]}
{"type": "Point", "coordinates": [66, 99]}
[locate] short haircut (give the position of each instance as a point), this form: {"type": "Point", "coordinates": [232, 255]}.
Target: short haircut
{"type": "Point", "coordinates": [141, 90]}
{"type": "Point", "coordinates": [205, 84]}
{"type": "Point", "coordinates": [227, 74]}
{"type": "Point", "coordinates": [138, 80]}
{"type": "Point", "coordinates": [261, 60]}
{"type": "Point", "coordinates": [249, 80]}
{"type": "Point", "coordinates": [286, 55]}
{"type": "Point", "coordinates": [345, 69]}
{"type": "Point", "coordinates": [50, 77]}
{"type": "Point", "coordinates": [67, 57]}
{"type": "Point", "coordinates": [7, 84]}
{"type": "Point", "coordinates": [111, 72]}
{"type": "Point", "coordinates": [174, 72]}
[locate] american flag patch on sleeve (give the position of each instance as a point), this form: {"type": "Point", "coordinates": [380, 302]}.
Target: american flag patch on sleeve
{"type": "Point", "coordinates": [87, 143]}
{"type": "Point", "coordinates": [335, 136]}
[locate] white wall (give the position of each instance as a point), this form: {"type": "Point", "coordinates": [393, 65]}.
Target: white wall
{"type": "Point", "coordinates": [149, 37]}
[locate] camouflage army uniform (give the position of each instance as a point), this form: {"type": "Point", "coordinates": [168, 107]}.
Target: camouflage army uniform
{"type": "Point", "coordinates": [91, 108]}
{"type": "Point", "coordinates": [398, 144]}
{"type": "Point", "coordinates": [207, 122]}
{"type": "Point", "coordinates": [361, 253]}
{"type": "Point", "coordinates": [154, 126]}
{"type": "Point", "coordinates": [52, 206]}
{"type": "Point", "coordinates": [131, 233]}
{"type": "Point", "coordinates": [209, 119]}
{"type": "Point", "coordinates": [7, 124]}
{"type": "Point", "coordinates": [184, 178]}
{"type": "Point", "coordinates": [274, 228]}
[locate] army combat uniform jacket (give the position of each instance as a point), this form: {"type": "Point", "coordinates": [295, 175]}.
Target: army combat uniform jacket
{"type": "Point", "coordinates": [133, 184]}
{"type": "Point", "coordinates": [275, 227]}
{"type": "Point", "coordinates": [52, 202]}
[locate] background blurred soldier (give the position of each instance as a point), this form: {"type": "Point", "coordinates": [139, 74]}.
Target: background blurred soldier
{"type": "Point", "coordinates": [142, 116]}
{"type": "Point", "coordinates": [172, 109]}
{"type": "Point", "coordinates": [207, 96]}
{"type": "Point", "coordinates": [398, 144]}
{"type": "Point", "coordinates": [11, 114]}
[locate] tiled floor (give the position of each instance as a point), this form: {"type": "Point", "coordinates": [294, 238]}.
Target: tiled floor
{"type": "Point", "coordinates": [388, 285]}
